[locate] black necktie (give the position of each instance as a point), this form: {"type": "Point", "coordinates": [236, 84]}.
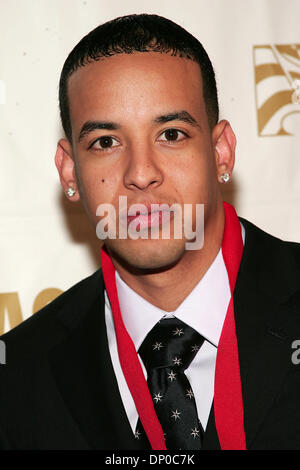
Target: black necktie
{"type": "Point", "coordinates": [166, 352]}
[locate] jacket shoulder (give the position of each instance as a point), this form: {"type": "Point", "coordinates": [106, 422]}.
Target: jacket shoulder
{"type": "Point", "coordinates": [273, 263]}
{"type": "Point", "coordinates": [271, 240]}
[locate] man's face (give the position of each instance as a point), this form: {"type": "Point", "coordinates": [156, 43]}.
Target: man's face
{"type": "Point", "coordinates": [156, 146]}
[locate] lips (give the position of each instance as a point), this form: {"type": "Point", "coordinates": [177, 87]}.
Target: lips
{"type": "Point", "coordinates": [143, 214]}
{"type": "Point", "coordinates": [147, 219]}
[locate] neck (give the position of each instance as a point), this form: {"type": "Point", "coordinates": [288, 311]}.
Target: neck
{"type": "Point", "coordinates": [161, 288]}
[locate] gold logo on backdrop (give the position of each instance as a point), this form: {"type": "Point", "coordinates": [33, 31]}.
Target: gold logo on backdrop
{"type": "Point", "coordinates": [10, 305]}
{"type": "Point", "coordinates": [277, 88]}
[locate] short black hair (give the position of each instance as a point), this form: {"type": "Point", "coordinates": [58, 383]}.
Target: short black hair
{"type": "Point", "coordinates": [138, 33]}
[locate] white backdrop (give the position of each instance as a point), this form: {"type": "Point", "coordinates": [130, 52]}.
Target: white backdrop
{"type": "Point", "coordinates": [47, 243]}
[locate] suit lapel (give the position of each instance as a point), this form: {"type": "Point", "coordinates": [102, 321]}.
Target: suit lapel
{"type": "Point", "coordinates": [211, 440]}
{"type": "Point", "coordinates": [84, 375]}
{"type": "Point", "coordinates": [264, 323]}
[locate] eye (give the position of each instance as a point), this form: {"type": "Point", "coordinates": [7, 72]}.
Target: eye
{"type": "Point", "coordinates": [104, 142]}
{"type": "Point", "coordinates": [172, 135]}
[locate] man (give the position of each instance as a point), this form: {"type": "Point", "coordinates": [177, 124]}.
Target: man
{"type": "Point", "coordinates": [139, 108]}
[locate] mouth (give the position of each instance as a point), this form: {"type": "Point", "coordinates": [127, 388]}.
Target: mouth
{"type": "Point", "coordinates": [148, 219]}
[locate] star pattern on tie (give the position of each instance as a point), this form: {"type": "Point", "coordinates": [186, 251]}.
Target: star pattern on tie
{"type": "Point", "coordinates": [177, 361]}
{"type": "Point", "coordinates": [166, 352]}
{"type": "Point", "coordinates": [189, 393]}
{"type": "Point", "coordinates": [176, 414]}
{"type": "Point", "coordinates": [157, 346]}
{"type": "Point", "coordinates": [172, 376]}
{"type": "Point", "coordinates": [195, 432]}
{"type": "Point", "coordinates": [178, 332]}
{"type": "Point", "coordinates": [157, 397]}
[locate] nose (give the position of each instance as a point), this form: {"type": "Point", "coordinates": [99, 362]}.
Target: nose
{"type": "Point", "coordinates": [143, 170]}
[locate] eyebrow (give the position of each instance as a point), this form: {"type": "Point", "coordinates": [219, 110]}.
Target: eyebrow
{"type": "Point", "coordinates": [178, 116]}
{"type": "Point", "coordinates": [90, 126]}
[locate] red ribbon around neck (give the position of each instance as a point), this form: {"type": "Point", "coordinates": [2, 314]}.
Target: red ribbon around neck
{"type": "Point", "coordinates": [228, 401]}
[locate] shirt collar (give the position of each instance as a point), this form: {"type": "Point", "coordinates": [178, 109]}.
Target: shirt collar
{"type": "Point", "coordinates": [204, 309]}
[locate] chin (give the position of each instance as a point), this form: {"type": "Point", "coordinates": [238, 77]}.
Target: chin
{"type": "Point", "coordinates": [146, 255]}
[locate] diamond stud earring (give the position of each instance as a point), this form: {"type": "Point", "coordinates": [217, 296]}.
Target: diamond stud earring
{"type": "Point", "coordinates": [225, 177]}
{"type": "Point", "coordinates": [70, 192]}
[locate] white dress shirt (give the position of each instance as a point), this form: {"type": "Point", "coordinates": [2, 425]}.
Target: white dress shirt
{"type": "Point", "coordinates": [204, 309]}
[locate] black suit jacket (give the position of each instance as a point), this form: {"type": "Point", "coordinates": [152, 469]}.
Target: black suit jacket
{"type": "Point", "coordinates": [58, 389]}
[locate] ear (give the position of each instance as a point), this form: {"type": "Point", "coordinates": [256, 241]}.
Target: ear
{"type": "Point", "coordinates": [224, 143]}
{"type": "Point", "coordinates": [65, 165]}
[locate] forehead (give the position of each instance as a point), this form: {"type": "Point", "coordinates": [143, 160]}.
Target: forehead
{"type": "Point", "coordinates": [142, 83]}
